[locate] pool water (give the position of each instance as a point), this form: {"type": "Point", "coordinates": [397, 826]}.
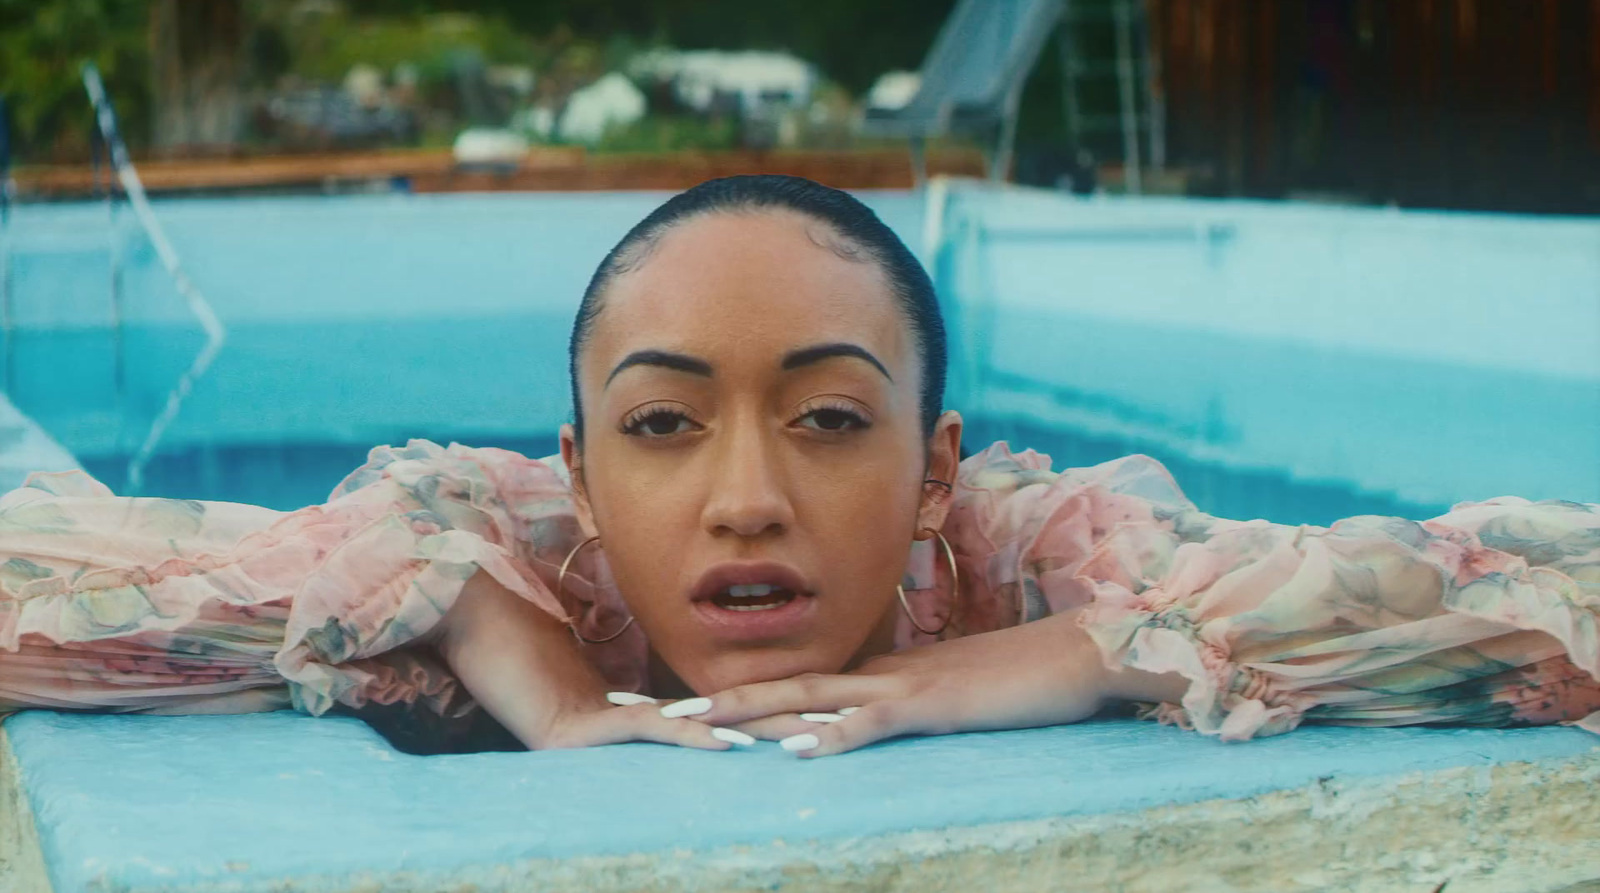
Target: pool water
{"type": "Point", "coordinates": [287, 476]}
{"type": "Point", "coordinates": [1289, 362]}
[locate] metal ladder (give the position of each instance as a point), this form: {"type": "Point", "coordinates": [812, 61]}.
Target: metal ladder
{"type": "Point", "coordinates": [7, 191]}
{"type": "Point", "coordinates": [22, 244]}
{"type": "Point", "coordinates": [1141, 110]}
{"type": "Point", "coordinates": [120, 167]}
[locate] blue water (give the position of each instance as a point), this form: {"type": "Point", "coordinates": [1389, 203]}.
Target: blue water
{"type": "Point", "coordinates": [1289, 362]}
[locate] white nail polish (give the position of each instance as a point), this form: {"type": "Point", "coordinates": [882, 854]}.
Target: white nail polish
{"type": "Point", "coordinates": [821, 717]}
{"type": "Point", "coordinates": [846, 711]}
{"type": "Point", "coordinates": [628, 698]}
{"type": "Point", "coordinates": [799, 742]}
{"type": "Point", "coordinates": [689, 707]}
{"type": "Point", "coordinates": [732, 736]}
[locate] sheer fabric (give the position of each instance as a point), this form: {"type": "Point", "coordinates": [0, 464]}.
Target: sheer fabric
{"type": "Point", "coordinates": [1484, 616]}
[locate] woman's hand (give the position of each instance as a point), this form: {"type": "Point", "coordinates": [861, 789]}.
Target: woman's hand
{"type": "Point", "coordinates": [525, 668]}
{"type": "Point", "coordinates": [1043, 673]}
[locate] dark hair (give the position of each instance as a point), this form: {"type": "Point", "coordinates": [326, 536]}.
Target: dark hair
{"type": "Point", "coordinates": [863, 235]}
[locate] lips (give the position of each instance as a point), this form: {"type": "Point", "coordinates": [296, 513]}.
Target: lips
{"type": "Point", "coordinates": [747, 600]}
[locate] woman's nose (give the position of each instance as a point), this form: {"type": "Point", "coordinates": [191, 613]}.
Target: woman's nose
{"type": "Point", "coordinates": [748, 491]}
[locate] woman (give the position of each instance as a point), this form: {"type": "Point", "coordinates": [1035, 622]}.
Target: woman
{"type": "Point", "coordinates": [758, 526]}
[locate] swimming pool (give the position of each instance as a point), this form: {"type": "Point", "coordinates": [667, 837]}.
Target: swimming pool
{"type": "Point", "coordinates": [1298, 363]}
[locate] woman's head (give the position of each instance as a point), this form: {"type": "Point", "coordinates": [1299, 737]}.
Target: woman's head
{"type": "Point", "coordinates": [757, 374]}
{"type": "Point", "coordinates": [851, 229]}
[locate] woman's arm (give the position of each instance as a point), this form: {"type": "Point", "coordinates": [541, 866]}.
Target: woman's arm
{"type": "Point", "coordinates": [526, 669]}
{"type": "Point", "coordinates": [1043, 673]}
{"type": "Point", "coordinates": [436, 564]}
{"type": "Point", "coordinates": [1485, 616]}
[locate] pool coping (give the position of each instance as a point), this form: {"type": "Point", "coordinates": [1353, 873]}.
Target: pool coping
{"type": "Point", "coordinates": [1513, 826]}
{"type": "Point", "coordinates": [22, 868]}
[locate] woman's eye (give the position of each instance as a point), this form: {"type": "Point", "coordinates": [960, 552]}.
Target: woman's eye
{"type": "Point", "coordinates": [833, 420]}
{"type": "Point", "coordinates": [659, 423]}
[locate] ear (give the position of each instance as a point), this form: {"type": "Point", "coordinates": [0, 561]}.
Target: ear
{"type": "Point", "coordinates": [944, 459]}
{"type": "Point", "coordinates": [573, 458]}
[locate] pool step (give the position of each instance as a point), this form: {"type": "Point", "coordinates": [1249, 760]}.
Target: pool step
{"type": "Point", "coordinates": [285, 802]}
{"type": "Point", "coordinates": [26, 448]}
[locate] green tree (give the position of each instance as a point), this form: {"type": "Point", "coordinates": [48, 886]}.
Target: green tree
{"type": "Point", "coordinates": [43, 44]}
{"type": "Point", "coordinates": [851, 42]}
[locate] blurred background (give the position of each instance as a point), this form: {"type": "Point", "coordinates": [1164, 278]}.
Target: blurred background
{"type": "Point", "coordinates": [1323, 257]}
{"type": "Point", "coordinates": [1471, 104]}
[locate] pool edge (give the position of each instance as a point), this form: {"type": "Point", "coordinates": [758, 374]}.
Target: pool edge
{"type": "Point", "coordinates": [1516, 826]}
{"type": "Point", "coordinates": [22, 867]}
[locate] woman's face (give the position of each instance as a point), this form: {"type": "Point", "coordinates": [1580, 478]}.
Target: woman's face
{"type": "Point", "coordinates": [753, 459]}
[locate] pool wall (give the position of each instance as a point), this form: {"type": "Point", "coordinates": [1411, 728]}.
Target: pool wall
{"type": "Point", "coordinates": [26, 448]}
{"type": "Point", "coordinates": [1293, 362]}
{"type": "Point", "coordinates": [296, 804]}
{"type": "Point", "coordinates": [1428, 357]}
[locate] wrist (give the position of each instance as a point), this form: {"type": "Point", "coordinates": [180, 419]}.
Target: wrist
{"type": "Point", "coordinates": [1129, 684]}
{"type": "Point", "coordinates": [1120, 683]}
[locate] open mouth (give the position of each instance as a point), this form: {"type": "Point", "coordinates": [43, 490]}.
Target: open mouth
{"type": "Point", "coordinates": [754, 601]}
{"type": "Point", "coordinates": [752, 597]}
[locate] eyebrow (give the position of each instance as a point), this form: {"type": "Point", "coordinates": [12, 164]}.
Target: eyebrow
{"type": "Point", "coordinates": [664, 359]}
{"type": "Point", "coordinates": [806, 356]}
{"type": "Point", "coordinates": [795, 359]}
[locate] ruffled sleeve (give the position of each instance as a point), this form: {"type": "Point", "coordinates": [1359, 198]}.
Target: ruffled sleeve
{"type": "Point", "coordinates": [432, 518]}
{"type": "Point", "coordinates": [1488, 615]}
{"type": "Point", "coordinates": [1021, 532]}
{"type": "Point", "coordinates": [166, 605]}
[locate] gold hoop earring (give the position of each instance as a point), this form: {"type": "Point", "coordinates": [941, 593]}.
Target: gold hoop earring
{"type": "Point", "coordinates": [561, 583]}
{"type": "Point", "coordinates": [955, 590]}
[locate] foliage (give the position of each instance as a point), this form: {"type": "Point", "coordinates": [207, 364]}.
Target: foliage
{"type": "Point", "coordinates": [324, 46]}
{"type": "Point", "coordinates": [852, 42]}
{"type": "Point", "coordinates": [42, 47]}
{"type": "Point", "coordinates": [671, 133]}
{"type": "Point", "coordinates": [568, 42]}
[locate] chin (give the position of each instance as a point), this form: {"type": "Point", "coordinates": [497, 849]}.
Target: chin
{"type": "Point", "coordinates": [726, 671]}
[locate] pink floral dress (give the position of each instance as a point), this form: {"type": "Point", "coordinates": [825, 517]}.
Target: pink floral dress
{"type": "Point", "coordinates": [1484, 616]}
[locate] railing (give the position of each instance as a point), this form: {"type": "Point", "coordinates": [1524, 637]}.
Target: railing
{"type": "Point", "coordinates": [122, 169]}
{"type": "Point", "coordinates": [7, 350]}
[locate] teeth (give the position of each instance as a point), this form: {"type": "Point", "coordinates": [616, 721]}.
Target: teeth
{"type": "Point", "coordinates": [753, 590]}
{"type": "Point", "coordinates": [753, 607]}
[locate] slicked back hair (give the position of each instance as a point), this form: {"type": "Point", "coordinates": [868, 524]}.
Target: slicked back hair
{"type": "Point", "coordinates": [859, 235]}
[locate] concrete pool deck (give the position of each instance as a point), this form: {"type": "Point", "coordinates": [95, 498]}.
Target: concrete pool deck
{"type": "Point", "coordinates": [287, 803]}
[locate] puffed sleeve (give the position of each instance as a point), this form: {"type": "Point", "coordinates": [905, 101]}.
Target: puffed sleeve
{"type": "Point", "coordinates": [179, 606]}
{"type": "Point", "coordinates": [427, 519]}
{"type": "Point", "coordinates": [1488, 615]}
{"type": "Point", "coordinates": [1021, 532]}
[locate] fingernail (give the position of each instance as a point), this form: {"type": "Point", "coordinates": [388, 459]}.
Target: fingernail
{"type": "Point", "coordinates": [688, 707]}
{"type": "Point", "coordinates": [821, 717]}
{"type": "Point", "coordinates": [732, 736]}
{"type": "Point", "coordinates": [799, 742]}
{"type": "Point", "coordinates": [846, 711]}
{"type": "Point", "coordinates": [628, 698]}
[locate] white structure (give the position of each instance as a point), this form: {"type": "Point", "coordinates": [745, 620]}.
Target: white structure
{"type": "Point", "coordinates": [364, 84]}
{"type": "Point", "coordinates": [609, 102]}
{"type": "Point", "coordinates": [753, 79]}
{"type": "Point", "coordinates": [893, 90]}
{"type": "Point", "coordinates": [489, 145]}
